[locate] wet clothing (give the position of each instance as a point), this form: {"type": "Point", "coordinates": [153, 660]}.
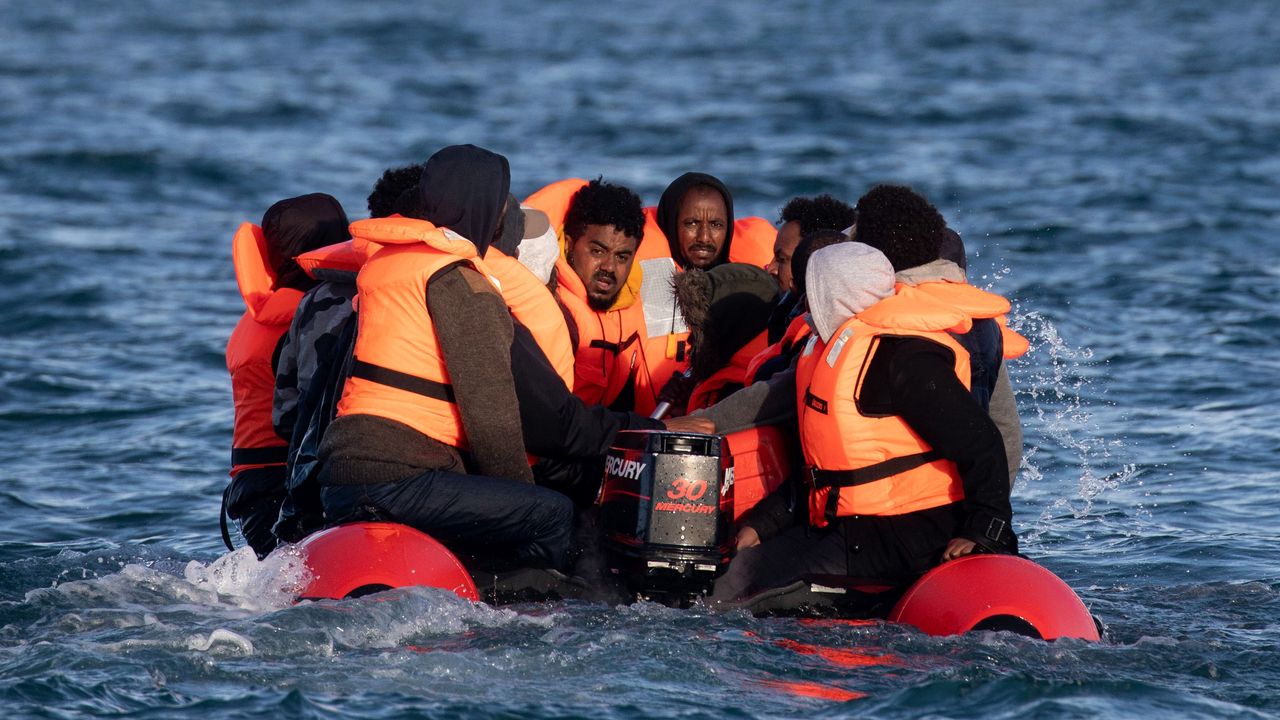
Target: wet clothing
{"type": "Point", "coordinates": [308, 346]}
{"type": "Point", "coordinates": [472, 514]}
{"type": "Point", "coordinates": [314, 361]}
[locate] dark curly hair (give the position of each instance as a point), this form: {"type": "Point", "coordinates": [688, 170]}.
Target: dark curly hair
{"type": "Point", "coordinates": [382, 201]}
{"type": "Point", "coordinates": [820, 213]}
{"type": "Point", "coordinates": [900, 223]}
{"type": "Point", "coordinates": [602, 203]}
{"type": "Point", "coordinates": [808, 245]}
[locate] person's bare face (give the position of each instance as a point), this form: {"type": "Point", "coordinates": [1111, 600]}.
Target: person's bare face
{"type": "Point", "coordinates": [702, 226]}
{"type": "Point", "coordinates": [602, 258]}
{"type": "Point", "coordinates": [783, 247]}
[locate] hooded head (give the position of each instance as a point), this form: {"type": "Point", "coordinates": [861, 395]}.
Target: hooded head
{"type": "Point", "coordinates": [842, 280]}
{"type": "Point", "coordinates": [952, 249]}
{"type": "Point", "coordinates": [463, 188]}
{"type": "Point", "coordinates": [725, 307]}
{"type": "Point", "coordinates": [697, 223]}
{"type": "Point", "coordinates": [298, 225]}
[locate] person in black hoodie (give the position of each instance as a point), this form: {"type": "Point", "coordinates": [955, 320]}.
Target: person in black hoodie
{"type": "Point", "coordinates": [480, 500]}
{"type": "Point", "coordinates": [254, 495]}
{"type": "Point", "coordinates": [695, 213]}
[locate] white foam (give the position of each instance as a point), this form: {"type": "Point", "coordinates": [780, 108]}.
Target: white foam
{"type": "Point", "coordinates": [239, 577]}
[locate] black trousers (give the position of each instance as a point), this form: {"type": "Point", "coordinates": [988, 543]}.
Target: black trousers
{"type": "Point", "coordinates": [498, 523]}
{"type": "Point", "coordinates": [253, 501]}
{"type": "Point", "coordinates": [894, 548]}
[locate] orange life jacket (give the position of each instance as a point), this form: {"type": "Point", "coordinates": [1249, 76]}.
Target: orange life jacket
{"type": "Point", "coordinates": [399, 372]}
{"type": "Point", "coordinates": [871, 465]}
{"type": "Point", "coordinates": [753, 239]}
{"type": "Point", "coordinates": [555, 198]}
{"type": "Point", "coordinates": [533, 305]}
{"type": "Point", "coordinates": [976, 303]}
{"type": "Point", "coordinates": [254, 442]}
{"type": "Point", "coordinates": [713, 389]}
{"type": "Point", "coordinates": [795, 335]}
{"type": "Point", "coordinates": [344, 258]}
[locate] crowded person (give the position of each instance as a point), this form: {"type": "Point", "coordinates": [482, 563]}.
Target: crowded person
{"type": "Point", "coordinates": [595, 282]}
{"type": "Point", "coordinates": [929, 257]}
{"type": "Point", "coordinates": [784, 345]}
{"type": "Point", "coordinates": [424, 425]}
{"type": "Point", "coordinates": [904, 468]}
{"type": "Point", "coordinates": [802, 216]}
{"type": "Point", "coordinates": [727, 309]}
{"type": "Point", "coordinates": [314, 358]}
{"type": "Point", "coordinates": [272, 285]}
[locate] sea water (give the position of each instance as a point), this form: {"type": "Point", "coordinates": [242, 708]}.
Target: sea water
{"type": "Point", "coordinates": [1113, 168]}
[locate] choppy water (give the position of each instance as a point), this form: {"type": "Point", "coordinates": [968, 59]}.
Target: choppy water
{"type": "Point", "coordinates": [1113, 167]}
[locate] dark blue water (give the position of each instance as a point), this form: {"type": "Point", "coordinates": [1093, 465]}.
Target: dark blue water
{"type": "Point", "coordinates": [1113, 166]}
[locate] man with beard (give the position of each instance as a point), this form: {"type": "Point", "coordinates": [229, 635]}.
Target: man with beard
{"type": "Point", "coordinates": [602, 229]}
{"type": "Point", "coordinates": [696, 216]}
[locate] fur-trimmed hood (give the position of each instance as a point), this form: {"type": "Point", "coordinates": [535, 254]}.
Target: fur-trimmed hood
{"type": "Point", "coordinates": [725, 308]}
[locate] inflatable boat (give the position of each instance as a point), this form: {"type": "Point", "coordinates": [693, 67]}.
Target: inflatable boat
{"type": "Point", "coordinates": [667, 510]}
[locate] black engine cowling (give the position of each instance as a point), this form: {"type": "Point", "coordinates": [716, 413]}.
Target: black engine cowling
{"type": "Point", "coordinates": [666, 512]}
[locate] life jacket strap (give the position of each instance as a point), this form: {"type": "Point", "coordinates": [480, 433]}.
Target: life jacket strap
{"type": "Point", "coordinates": [276, 455]}
{"type": "Point", "coordinates": [403, 381]}
{"type": "Point", "coordinates": [819, 479]}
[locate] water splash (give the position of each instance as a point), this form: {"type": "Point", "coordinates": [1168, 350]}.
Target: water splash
{"type": "Point", "coordinates": [1051, 378]}
{"type": "Point", "coordinates": [240, 578]}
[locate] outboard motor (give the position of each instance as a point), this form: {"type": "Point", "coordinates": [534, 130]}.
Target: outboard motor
{"type": "Point", "coordinates": [666, 512]}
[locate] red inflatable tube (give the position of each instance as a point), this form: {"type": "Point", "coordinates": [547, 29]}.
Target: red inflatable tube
{"type": "Point", "coordinates": [363, 558]}
{"type": "Point", "coordinates": [995, 592]}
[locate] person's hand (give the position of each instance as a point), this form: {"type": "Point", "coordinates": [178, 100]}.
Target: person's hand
{"type": "Point", "coordinates": [690, 424]}
{"type": "Point", "coordinates": [958, 547]}
{"type": "Point", "coordinates": [677, 390]}
{"type": "Point", "coordinates": [747, 537]}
